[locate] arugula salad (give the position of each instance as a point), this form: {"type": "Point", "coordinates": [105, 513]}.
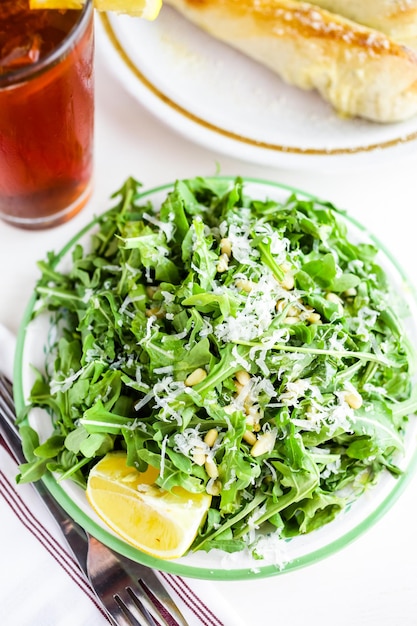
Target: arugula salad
{"type": "Point", "coordinates": [242, 346]}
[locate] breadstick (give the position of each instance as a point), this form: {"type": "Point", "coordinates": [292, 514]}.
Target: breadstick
{"type": "Point", "coordinates": [396, 18]}
{"type": "Point", "coordinates": [359, 71]}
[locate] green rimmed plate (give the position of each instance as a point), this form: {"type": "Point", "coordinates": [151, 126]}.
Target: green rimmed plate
{"type": "Point", "coordinates": [35, 336]}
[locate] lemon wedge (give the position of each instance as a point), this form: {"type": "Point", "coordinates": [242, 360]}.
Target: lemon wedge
{"type": "Point", "coordinates": [161, 523]}
{"type": "Point", "coordinates": [146, 9]}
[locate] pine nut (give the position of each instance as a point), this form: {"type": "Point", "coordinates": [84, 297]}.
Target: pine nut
{"type": "Point", "coordinates": [350, 293]}
{"type": "Point", "coordinates": [293, 311]}
{"type": "Point", "coordinates": [226, 246]}
{"type": "Point", "coordinates": [280, 306]}
{"type": "Point", "coordinates": [211, 436]}
{"type": "Point", "coordinates": [354, 399]}
{"type": "Point", "coordinates": [244, 284]}
{"type": "Point", "coordinates": [238, 387]}
{"type": "Point", "coordinates": [242, 377]}
{"type": "Point", "coordinates": [249, 437]}
{"type": "Point", "coordinates": [248, 403]}
{"type": "Point", "coordinates": [334, 298]}
{"type": "Point", "coordinates": [291, 320]}
{"type": "Point", "coordinates": [214, 487]}
{"type": "Point", "coordinates": [264, 444]}
{"type": "Point", "coordinates": [211, 467]}
{"type": "Point", "coordinates": [195, 377]}
{"type": "Point", "coordinates": [155, 312]}
{"type": "Point", "coordinates": [288, 281]}
{"type": "Point", "coordinates": [253, 418]}
{"type": "Point", "coordinates": [314, 318]}
{"type": "Point", "coordinates": [199, 456]}
{"type": "Point", "coordinates": [151, 290]}
{"type": "Point", "coordinates": [223, 263]}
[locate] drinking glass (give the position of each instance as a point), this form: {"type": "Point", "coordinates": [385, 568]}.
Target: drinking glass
{"type": "Point", "coordinates": [46, 113]}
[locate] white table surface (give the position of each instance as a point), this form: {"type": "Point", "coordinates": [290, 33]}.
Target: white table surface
{"type": "Point", "coordinates": [372, 582]}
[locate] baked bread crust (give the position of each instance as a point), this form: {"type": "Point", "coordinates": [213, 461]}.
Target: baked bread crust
{"type": "Point", "coordinates": [396, 18]}
{"type": "Point", "coordinates": [359, 71]}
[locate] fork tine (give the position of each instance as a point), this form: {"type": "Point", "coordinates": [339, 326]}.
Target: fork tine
{"type": "Point", "coordinates": [133, 609]}
{"type": "Point", "coordinates": [149, 607]}
{"type": "Point", "coordinates": [160, 611]}
{"type": "Point", "coordinates": [112, 573]}
{"type": "Point", "coordinates": [148, 604]}
{"type": "Point", "coordinates": [141, 606]}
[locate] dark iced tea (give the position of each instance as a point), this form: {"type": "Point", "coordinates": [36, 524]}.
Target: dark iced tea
{"type": "Point", "coordinates": [46, 113]}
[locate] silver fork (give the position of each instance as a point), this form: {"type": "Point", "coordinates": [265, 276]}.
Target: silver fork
{"type": "Point", "coordinates": [131, 593]}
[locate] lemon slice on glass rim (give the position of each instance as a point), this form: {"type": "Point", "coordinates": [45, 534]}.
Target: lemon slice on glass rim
{"type": "Point", "coordinates": [146, 9]}
{"type": "Point", "coordinates": [161, 523]}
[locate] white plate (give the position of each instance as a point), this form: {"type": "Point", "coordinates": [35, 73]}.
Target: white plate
{"type": "Point", "coordinates": [36, 334]}
{"type": "Point", "coordinates": [224, 101]}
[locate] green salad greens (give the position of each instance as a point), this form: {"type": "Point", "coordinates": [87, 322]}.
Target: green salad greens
{"type": "Point", "coordinates": [244, 347]}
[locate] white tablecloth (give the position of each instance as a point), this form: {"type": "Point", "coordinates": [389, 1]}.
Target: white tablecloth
{"type": "Point", "coordinates": [371, 582]}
